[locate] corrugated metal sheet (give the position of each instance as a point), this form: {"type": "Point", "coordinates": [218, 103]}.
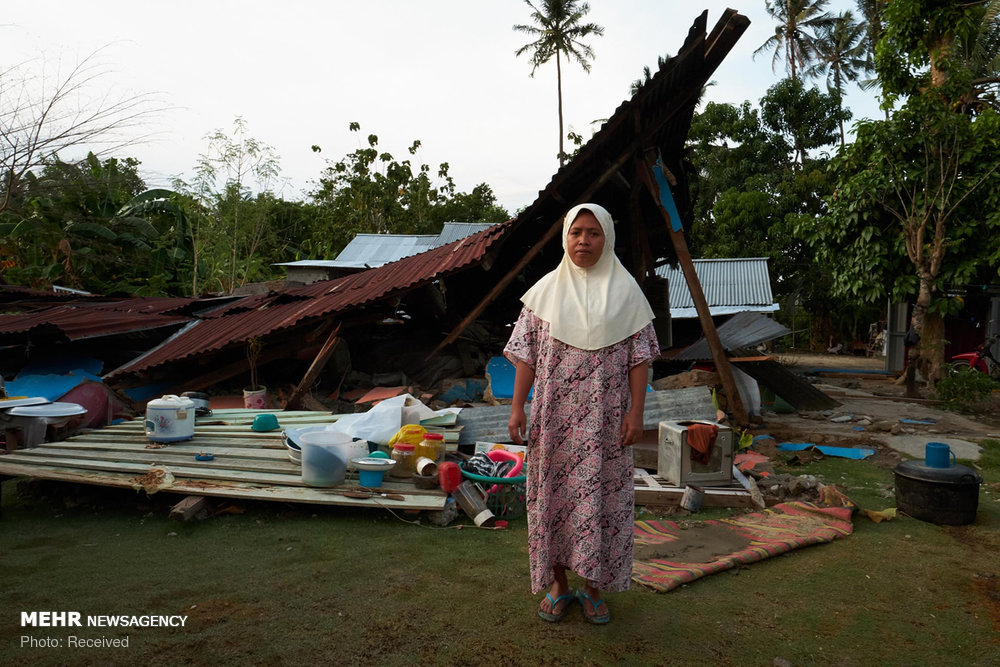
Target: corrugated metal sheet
{"type": "Point", "coordinates": [453, 231]}
{"type": "Point", "coordinates": [743, 330]}
{"type": "Point", "coordinates": [379, 249]}
{"type": "Point", "coordinates": [489, 424]}
{"type": "Point", "coordinates": [788, 385]}
{"type": "Point", "coordinates": [148, 305]}
{"type": "Point", "coordinates": [80, 322]}
{"type": "Point", "coordinates": [371, 250]}
{"type": "Point", "coordinates": [260, 315]}
{"type": "Point", "coordinates": [744, 283]}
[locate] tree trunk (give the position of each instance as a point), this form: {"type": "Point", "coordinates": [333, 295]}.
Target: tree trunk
{"type": "Point", "coordinates": [919, 318]}
{"type": "Point", "coordinates": [559, 89]}
{"type": "Point", "coordinates": [939, 53]}
{"type": "Point", "coordinates": [932, 351]}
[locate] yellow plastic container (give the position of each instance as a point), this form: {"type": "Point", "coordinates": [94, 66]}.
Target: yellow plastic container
{"type": "Point", "coordinates": [432, 446]}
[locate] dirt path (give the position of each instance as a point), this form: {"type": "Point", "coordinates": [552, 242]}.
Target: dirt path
{"type": "Point", "coordinates": [879, 413]}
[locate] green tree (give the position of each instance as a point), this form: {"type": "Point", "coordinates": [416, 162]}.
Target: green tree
{"type": "Point", "coordinates": [841, 58]}
{"type": "Point", "coordinates": [807, 119]}
{"type": "Point", "coordinates": [981, 53]}
{"type": "Point", "coordinates": [558, 31]}
{"type": "Point", "coordinates": [794, 38]}
{"type": "Point", "coordinates": [748, 192]}
{"type": "Point", "coordinates": [918, 195]}
{"type": "Point", "coordinates": [232, 222]}
{"type": "Point", "coordinates": [62, 226]}
{"type": "Point", "coordinates": [369, 191]}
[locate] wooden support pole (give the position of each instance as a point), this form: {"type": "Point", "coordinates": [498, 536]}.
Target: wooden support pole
{"type": "Point", "coordinates": [318, 364]}
{"type": "Point", "coordinates": [735, 404]}
{"type": "Point", "coordinates": [550, 234]}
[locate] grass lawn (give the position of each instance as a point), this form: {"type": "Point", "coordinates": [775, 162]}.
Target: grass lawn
{"type": "Point", "coordinates": [284, 584]}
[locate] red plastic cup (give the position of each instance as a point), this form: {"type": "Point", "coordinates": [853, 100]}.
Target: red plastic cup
{"type": "Point", "coordinates": [449, 476]}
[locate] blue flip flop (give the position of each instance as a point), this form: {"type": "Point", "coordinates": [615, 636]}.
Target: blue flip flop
{"type": "Point", "coordinates": [555, 618]}
{"type": "Point", "coordinates": [599, 619]}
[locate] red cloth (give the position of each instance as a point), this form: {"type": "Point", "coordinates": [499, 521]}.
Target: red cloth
{"type": "Point", "coordinates": [701, 439]}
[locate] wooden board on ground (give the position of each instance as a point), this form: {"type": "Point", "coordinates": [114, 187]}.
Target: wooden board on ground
{"type": "Point", "coordinates": [652, 489]}
{"type": "Point", "coordinates": [246, 464]}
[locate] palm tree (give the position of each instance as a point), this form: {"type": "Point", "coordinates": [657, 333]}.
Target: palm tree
{"type": "Point", "coordinates": [981, 54]}
{"type": "Point", "coordinates": [558, 30]}
{"type": "Point", "coordinates": [647, 73]}
{"type": "Point", "coordinates": [872, 19]}
{"type": "Point", "coordinates": [791, 42]}
{"type": "Point", "coordinates": [841, 57]}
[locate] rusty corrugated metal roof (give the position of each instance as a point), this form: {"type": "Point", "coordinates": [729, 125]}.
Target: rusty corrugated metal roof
{"type": "Point", "coordinates": [260, 315]}
{"type": "Point", "coordinates": [146, 305]}
{"type": "Point", "coordinates": [71, 322]}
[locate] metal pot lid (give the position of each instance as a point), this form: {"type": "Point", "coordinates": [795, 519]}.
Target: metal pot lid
{"type": "Point", "coordinates": [24, 400]}
{"type": "Point", "coordinates": [57, 409]}
{"type": "Point", "coordinates": [956, 474]}
{"type": "Point", "coordinates": [373, 463]}
{"type": "Point", "coordinates": [171, 402]}
{"type": "Point", "coordinates": [196, 395]}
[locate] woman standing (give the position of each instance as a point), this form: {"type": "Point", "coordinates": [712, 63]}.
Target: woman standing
{"type": "Point", "coordinates": [584, 339]}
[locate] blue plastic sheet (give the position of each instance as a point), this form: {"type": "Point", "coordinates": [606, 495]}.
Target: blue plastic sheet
{"type": "Point", "coordinates": [51, 387]}
{"type": "Point", "coordinates": [856, 453]}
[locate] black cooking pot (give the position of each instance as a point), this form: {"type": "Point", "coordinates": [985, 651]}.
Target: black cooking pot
{"type": "Point", "coordinates": [948, 496]}
{"type": "Point", "coordinates": [200, 402]}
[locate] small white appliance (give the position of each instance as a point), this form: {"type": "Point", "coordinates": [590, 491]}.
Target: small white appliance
{"type": "Point", "coordinates": [674, 462]}
{"type": "Point", "coordinates": [170, 419]}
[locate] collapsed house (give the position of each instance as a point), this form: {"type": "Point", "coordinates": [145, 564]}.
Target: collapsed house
{"type": "Point", "coordinates": [435, 314]}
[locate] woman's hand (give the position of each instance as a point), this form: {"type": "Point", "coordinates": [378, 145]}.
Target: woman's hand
{"type": "Point", "coordinates": [517, 425]}
{"type": "Point", "coordinates": [632, 427]}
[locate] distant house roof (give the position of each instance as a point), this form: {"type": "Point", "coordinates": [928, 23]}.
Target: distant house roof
{"type": "Point", "coordinates": [730, 286]}
{"type": "Point", "coordinates": [370, 250]}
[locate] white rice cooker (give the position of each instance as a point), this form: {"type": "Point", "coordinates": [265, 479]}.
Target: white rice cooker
{"type": "Point", "coordinates": [170, 419]}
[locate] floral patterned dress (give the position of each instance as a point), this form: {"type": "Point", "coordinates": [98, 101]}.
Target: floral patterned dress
{"type": "Point", "coordinates": [580, 493]}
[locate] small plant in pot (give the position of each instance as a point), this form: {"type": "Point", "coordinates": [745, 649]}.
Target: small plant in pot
{"type": "Point", "coordinates": [254, 396]}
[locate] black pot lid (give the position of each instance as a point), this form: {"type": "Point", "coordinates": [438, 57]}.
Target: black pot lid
{"type": "Point", "coordinates": [955, 474]}
{"type": "Point", "coordinates": [196, 394]}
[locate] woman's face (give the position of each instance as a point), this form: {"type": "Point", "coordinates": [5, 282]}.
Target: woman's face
{"type": "Point", "coordinates": [585, 240]}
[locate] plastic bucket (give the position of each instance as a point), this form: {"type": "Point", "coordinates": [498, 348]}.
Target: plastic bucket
{"type": "Point", "coordinates": [938, 455]}
{"type": "Point", "coordinates": [371, 478]}
{"type": "Point", "coordinates": [324, 457]}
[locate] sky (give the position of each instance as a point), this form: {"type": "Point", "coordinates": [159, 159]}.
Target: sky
{"type": "Point", "coordinates": [441, 71]}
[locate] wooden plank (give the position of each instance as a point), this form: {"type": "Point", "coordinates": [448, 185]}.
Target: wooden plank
{"type": "Point", "coordinates": [246, 452]}
{"type": "Point", "coordinates": [712, 498]}
{"type": "Point", "coordinates": [654, 490]}
{"type": "Point", "coordinates": [160, 457]}
{"type": "Point", "coordinates": [200, 440]}
{"type": "Point", "coordinates": [177, 470]}
{"type": "Point", "coordinates": [735, 403]}
{"type": "Point", "coordinates": [318, 364]}
{"type": "Point", "coordinates": [415, 500]}
{"type": "Point", "coordinates": [645, 477]}
{"type": "Point", "coordinates": [189, 471]}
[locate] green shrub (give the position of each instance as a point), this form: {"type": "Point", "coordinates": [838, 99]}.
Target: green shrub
{"type": "Point", "coordinates": [965, 388]}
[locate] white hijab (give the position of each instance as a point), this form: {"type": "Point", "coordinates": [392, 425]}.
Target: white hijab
{"type": "Point", "coordinates": [594, 307]}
